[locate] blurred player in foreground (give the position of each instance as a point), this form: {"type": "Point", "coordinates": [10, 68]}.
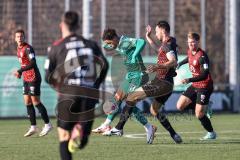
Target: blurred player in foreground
{"type": "Point", "coordinates": [199, 92]}
{"type": "Point", "coordinates": [130, 49]}
{"type": "Point", "coordinates": [71, 67]}
{"type": "Point", "coordinates": [31, 84]}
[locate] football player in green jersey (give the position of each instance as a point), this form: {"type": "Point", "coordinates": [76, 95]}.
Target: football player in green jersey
{"type": "Point", "coordinates": [129, 49]}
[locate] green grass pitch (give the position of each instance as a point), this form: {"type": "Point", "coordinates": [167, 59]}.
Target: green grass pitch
{"type": "Point", "coordinates": [132, 146]}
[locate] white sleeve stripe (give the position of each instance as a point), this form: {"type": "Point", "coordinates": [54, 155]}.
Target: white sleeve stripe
{"type": "Point", "coordinates": [205, 66]}
{"type": "Point", "coordinates": [171, 53]}
{"type": "Point", "coordinates": [31, 55]}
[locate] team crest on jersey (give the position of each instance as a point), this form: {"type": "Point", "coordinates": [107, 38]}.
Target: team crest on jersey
{"type": "Point", "coordinates": [192, 69]}
{"type": "Point", "coordinates": [203, 98]}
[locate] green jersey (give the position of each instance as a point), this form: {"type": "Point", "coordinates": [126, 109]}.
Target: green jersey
{"type": "Point", "coordinates": [131, 48]}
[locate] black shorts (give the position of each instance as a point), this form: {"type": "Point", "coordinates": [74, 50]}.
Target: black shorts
{"type": "Point", "coordinates": [32, 88]}
{"type": "Point", "coordinates": [160, 89]}
{"type": "Point", "coordinates": [75, 109]}
{"type": "Point", "coordinates": [200, 96]}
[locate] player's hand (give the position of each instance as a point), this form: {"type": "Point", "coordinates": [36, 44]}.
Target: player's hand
{"type": "Point", "coordinates": [17, 74]}
{"type": "Point", "coordinates": [185, 81]}
{"type": "Point", "coordinates": [151, 68]}
{"type": "Point", "coordinates": [148, 31]}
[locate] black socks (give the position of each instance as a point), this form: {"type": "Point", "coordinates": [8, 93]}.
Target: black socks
{"type": "Point", "coordinates": [165, 123]}
{"type": "Point", "coordinates": [42, 110]}
{"type": "Point", "coordinates": [31, 114]}
{"type": "Point", "coordinates": [127, 111]}
{"type": "Point", "coordinates": [64, 152]}
{"type": "Point", "coordinates": [206, 123]}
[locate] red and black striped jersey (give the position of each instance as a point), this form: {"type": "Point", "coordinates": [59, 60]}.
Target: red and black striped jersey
{"type": "Point", "coordinates": [25, 55]}
{"type": "Point", "coordinates": [166, 47]}
{"type": "Point", "coordinates": [197, 63]}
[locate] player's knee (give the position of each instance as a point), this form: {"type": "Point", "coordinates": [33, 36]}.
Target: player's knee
{"type": "Point", "coordinates": [155, 106]}
{"type": "Point", "coordinates": [28, 103]}
{"type": "Point", "coordinates": [180, 106]}
{"type": "Point", "coordinates": [130, 100]}
{"type": "Point", "coordinates": [130, 103]}
{"type": "Point", "coordinates": [35, 100]}
{"type": "Point", "coordinates": [199, 111]}
{"type": "Point", "coordinates": [199, 114]}
{"type": "Point", "coordinates": [63, 135]}
{"type": "Point", "coordinates": [153, 111]}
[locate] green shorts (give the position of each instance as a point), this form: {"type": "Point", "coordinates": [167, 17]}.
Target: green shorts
{"type": "Point", "coordinates": [131, 85]}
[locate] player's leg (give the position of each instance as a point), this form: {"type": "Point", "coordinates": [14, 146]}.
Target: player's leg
{"type": "Point", "coordinates": [35, 97]}
{"type": "Point", "coordinates": [209, 111]}
{"type": "Point", "coordinates": [41, 108]}
{"type": "Point", "coordinates": [205, 122]}
{"type": "Point", "coordinates": [162, 118]}
{"type": "Point", "coordinates": [30, 110]}
{"type": "Point", "coordinates": [84, 107]}
{"type": "Point", "coordinates": [118, 129]}
{"type": "Point", "coordinates": [137, 113]}
{"type": "Point", "coordinates": [202, 102]}
{"type": "Point", "coordinates": [126, 112]}
{"type": "Point", "coordinates": [131, 100]}
{"type": "Point", "coordinates": [149, 128]}
{"type": "Point", "coordinates": [126, 87]}
{"type": "Point", "coordinates": [152, 89]}
{"type": "Point", "coordinates": [64, 136]}
{"type": "Point", "coordinates": [128, 109]}
{"type": "Point", "coordinates": [187, 100]}
{"type": "Point", "coordinates": [159, 101]}
{"type": "Point", "coordinates": [32, 116]}
{"type": "Point", "coordinates": [116, 100]}
{"type": "Point", "coordinates": [80, 135]}
{"type": "Point", "coordinates": [64, 127]}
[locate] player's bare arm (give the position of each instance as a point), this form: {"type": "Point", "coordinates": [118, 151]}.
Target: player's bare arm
{"type": "Point", "coordinates": [150, 38]}
{"type": "Point", "coordinates": [169, 64]}
{"type": "Point", "coordinates": [203, 74]}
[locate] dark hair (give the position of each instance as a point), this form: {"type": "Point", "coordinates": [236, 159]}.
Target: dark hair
{"type": "Point", "coordinates": [70, 18]}
{"type": "Point", "coordinates": [194, 36]}
{"type": "Point", "coordinates": [20, 31]}
{"type": "Point", "coordinates": [109, 34]}
{"type": "Point", "coordinates": [164, 25]}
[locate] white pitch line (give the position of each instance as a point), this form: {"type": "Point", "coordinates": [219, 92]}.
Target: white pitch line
{"type": "Point", "coordinates": [142, 135]}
